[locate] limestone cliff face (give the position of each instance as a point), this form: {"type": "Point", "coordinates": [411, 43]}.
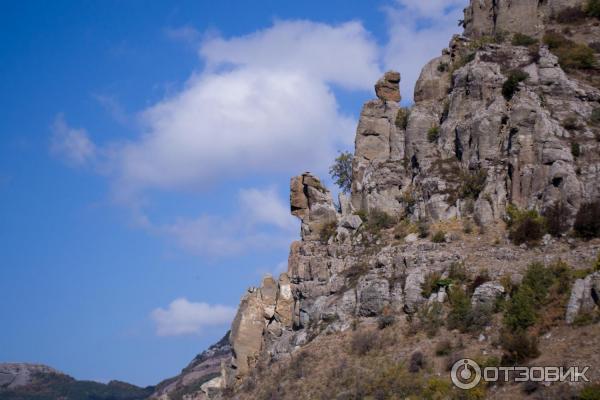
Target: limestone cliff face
{"type": "Point", "coordinates": [465, 149]}
{"type": "Point", "coordinates": [531, 17]}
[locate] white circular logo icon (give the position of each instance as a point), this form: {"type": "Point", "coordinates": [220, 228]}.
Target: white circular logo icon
{"type": "Point", "coordinates": [465, 374]}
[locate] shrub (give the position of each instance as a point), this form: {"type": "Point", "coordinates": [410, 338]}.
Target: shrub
{"type": "Point", "coordinates": [341, 171]}
{"type": "Point", "coordinates": [443, 67]}
{"type": "Point", "coordinates": [473, 182]}
{"type": "Point", "coordinates": [595, 117]}
{"type": "Point", "coordinates": [571, 55]}
{"type": "Point", "coordinates": [591, 392]}
{"type": "Point", "coordinates": [575, 149]}
{"type": "Point", "coordinates": [556, 217]}
{"type": "Point", "coordinates": [592, 8]}
{"type": "Point", "coordinates": [433, 134]}
{"type": "Point", "coordinates": [402, 117]}
{"type": "Point", "coordinates": [363, 342]}
{"type": "Point", "coordinates": [587, 220]}
{"type": "Point", "coordinates": [377, 220]}
{"type": "Point", "coordinates": [417, 362]}
{"type": "Point", "coordinates": [327, 231]}
{"type": "Point", "coordinates": [520, 310]}
{"type": "Point", "coordinates": [520, 39]}
{"type": "Point", "coordinates": [430, 285]}
{"type": "Point", "coordinates": [511, 85]}
{"type": "Point", "coordinates": [443, 348]}
{"type": "Point", "coordinates": [525, 226]}
{"type": "Point", "coordinates": [539, 279]}
{"type": "Point", "coordinates": [467, 227]}
{"type": "Point", "coordinates": [571, 124]}
{"type": "Point", "coordinates": [430, 319]}
{"type": "Point", "coordinates": [457, 272]}
{"type": "Point", "coordinates": [458, 317]}
{"type": "Point", "coordinates": [570, 15]}
{"type": "Point", "coordinates": [439, 237]}
{"type": "Point", "coordinates": [383, 321]}
{"type": "Point", "coordinates": [423, 228]}
{"type": "Point", "coordinates": [518, 347]}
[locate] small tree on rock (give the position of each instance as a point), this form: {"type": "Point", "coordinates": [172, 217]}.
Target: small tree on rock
{"type": "Point", "coordinates": [341, 171]}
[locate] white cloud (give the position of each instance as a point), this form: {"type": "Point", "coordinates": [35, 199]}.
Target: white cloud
{"type": "Point", "coordinates": [263, 104]}
{"type": "Point", "coordinates": [183, 317]}
{"type": "Point", "coordinates": [72, 145]}
{"type": "Point", "coordinates": [418, 31]}
{"type": "Point", "coordinates": [343, 54]}
{"type": "Point", "coordinates": [266, 207]}
{"type": "Point", "coordinates": [263, 222]}
{"type": "Point", "coordinates": [185, 33]}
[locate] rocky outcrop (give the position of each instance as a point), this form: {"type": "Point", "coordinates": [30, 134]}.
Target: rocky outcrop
{"type": "Point", "coordinates": [13, 375]}
{"type": "Point", "coordinates": [585, 297]}
{"type": "Point", "coordinates": [465, 149]}
{"type": "Point", "coordinates": [487, 294]}
{"type": "Point", "coordinates": [264, 314]}
{"type": "Point", "coordinates": [530, 17]}
{"type": "Point", "coordinates": [388, 87]}
{"type": "Point", "coordinates": [312, 203]}
{"type": "Point", "coordinates": [204, 369]}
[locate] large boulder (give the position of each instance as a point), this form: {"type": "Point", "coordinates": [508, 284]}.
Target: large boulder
{"type": "Point", "coordinates": [387, 87]}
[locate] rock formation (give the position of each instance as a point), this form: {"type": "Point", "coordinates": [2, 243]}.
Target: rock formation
{"type": "Point", "coordinates": [493, 124]}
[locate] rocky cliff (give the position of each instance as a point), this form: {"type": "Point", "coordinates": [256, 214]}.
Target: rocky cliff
{"type": "Point", "coordinates": [505, 120]}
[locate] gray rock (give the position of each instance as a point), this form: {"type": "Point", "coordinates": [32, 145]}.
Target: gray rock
{"type": "Point", "coordinates": [487, 293]}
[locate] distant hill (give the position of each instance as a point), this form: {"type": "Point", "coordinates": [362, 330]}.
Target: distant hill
{"type": "Point", "coordinates": [19, 381]}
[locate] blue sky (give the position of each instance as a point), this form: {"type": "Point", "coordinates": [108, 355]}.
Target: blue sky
{"type": "Point", "coordinates": [145, 156]}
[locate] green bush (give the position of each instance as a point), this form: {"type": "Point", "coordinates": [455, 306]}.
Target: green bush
{"type": "Point", "coordinates": [557, 217]}
{"type": "Point", "coordinates": [511, 85]}
{"type": "Point", "coordinates": [571, 55]}
{"type": "Point", "coordinates": [430, 285]}
{"type": "Point", "coordinates": [402, 117]}
{"type": "Point", "coordinates": [363, 342]}
{"type": "Point", "coordinates": [525, 226]}
{"type": "Point", "coordinates": [591, 392]}
{"type": "Point", "coordinates": [443, 348]}
{"type": "Point", "coordinates": [570, 15]}
{"type": "Point", "coordinates": [327, 231]}
{"type": "Point", "coordinates": [458, 317]}
{"type": "Point", "coordinates": [571, 123]}
{"type": "Point", "coordinates": [378, 220]}
{"type": "Point", "coordinates": [433, 134]}
{"type": "Point", "coordinates": [587, 220]}
{"type": "Point", "coordinates": [472, 183]}
{"type": "Point", "coordinates": [430, 319]}
{"type": "Point", "coordinates": [520, 310]}
{"type": "Point", "coordinates": [443, 67]}
{"type": "Point", "coordinates": [575, 149]}
{"type": "Point", "coordinates": [383, 321]}
{"type": "Point", "coordinates": [539, 279]}
{"type": "Point", "coordinates": [593, 8]}
{"type": "Point", "coordinates": [518, 347]}
{"type": "Point", "coordinates": [458, 272]}
{"type": "Point", "coordinates": [595, 117]}
{"type": "Point", "coordinates": [439, 237]}
{"type": "Point", "coordinates": [423, 228]}
{"type": "Point", "coordinates": [520, 39]}
{"type": "Point", "coordinates": [341, 171]}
